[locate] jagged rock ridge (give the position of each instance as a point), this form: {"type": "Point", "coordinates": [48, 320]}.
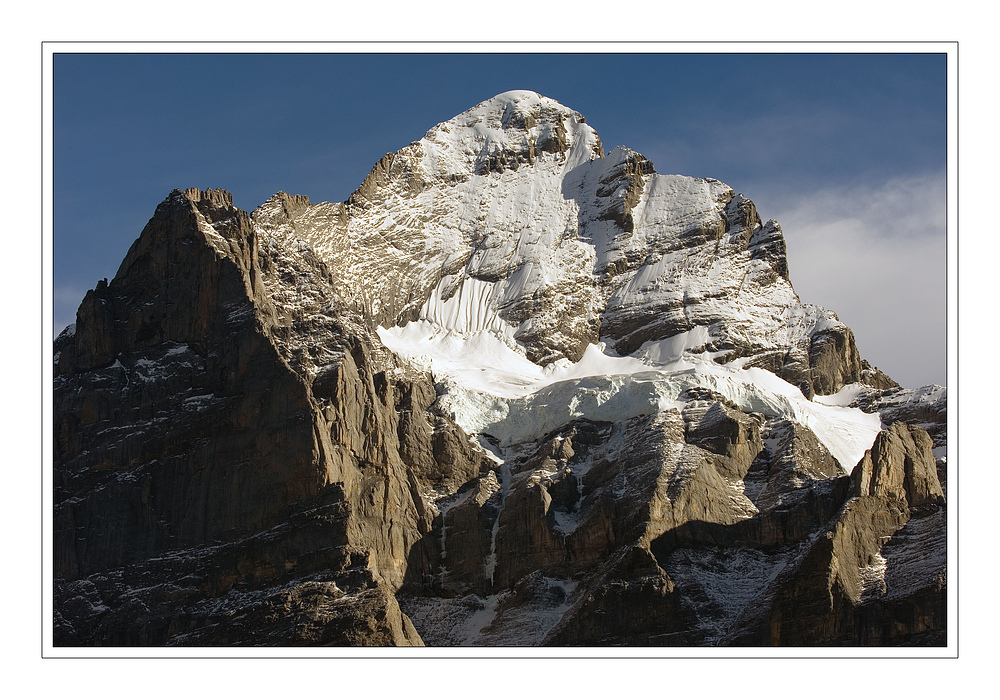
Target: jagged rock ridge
{"type": "Point", "coordinates": [513, 391]}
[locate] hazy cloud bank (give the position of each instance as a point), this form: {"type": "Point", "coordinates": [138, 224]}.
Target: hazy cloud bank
{"type": "Point", "coordinates": [877, 256]}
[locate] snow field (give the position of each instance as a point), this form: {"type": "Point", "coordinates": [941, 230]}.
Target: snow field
{"type": "Point", "coordinates": [492, 388]}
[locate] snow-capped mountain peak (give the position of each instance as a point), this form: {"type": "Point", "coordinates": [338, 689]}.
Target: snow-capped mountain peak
{"type": "Point", "coordinates": [508, 130]}
{"type": "Point", "coordinates": [505, 237]}
{"type": "Point", "coordinates": [512, 391]}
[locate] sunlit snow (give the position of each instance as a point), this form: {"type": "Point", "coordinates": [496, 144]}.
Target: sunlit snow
{"type": "Point", "coordinates": [491, 387]}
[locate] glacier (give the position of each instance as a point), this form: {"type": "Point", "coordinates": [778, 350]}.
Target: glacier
{"type": "Point", "coordinates": [489, 387]}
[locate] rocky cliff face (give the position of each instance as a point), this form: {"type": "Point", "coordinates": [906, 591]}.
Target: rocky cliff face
{"type": "Point", "coordinates": [249, 457]}
{"type": "Point", "coordinates": [513, 391]}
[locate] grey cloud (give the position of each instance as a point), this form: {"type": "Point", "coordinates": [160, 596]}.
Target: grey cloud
{"type": "Point", "coordinates": [878, 257]}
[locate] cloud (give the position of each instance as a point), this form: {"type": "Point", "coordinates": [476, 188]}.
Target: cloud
{"type": "Point", "coordinates": [878, 257]}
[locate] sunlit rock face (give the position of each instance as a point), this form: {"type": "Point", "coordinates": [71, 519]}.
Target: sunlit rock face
{"type": "Point", "coordinates": [515, 390]}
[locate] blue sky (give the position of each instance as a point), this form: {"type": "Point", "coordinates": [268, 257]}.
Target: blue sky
{"type": "Point", "coordinates": [846, 151]}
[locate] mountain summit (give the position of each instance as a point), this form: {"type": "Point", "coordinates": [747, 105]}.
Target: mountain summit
{"type": "Point", "coordinates": [514, 390]}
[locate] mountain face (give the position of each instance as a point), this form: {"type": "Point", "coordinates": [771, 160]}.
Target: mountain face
{"type": "Point", "coordinates": [514, 391]}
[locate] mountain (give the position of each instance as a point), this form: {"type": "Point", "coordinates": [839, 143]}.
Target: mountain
{"type": "Point", "coordinates": [513, 391]}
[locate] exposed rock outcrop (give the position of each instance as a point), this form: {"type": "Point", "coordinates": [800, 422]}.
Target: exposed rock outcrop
{"type": "Point", "coordinates": [193, 410]}
{"type": "Point", "coordinates": [840, 591]}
